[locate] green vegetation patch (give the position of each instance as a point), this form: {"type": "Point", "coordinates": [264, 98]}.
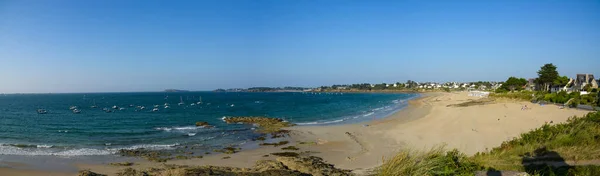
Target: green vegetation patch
{"type": "Point", "coordinates": [473, 103]}
{"type": "Point", "coordinates": [286, 154]}
{"type": "Point", "coordinates": [290, 148]}
{"type": "Point", "coordinates": [280, 143]}
{"type": "Point", "coordinates": [538, 152]}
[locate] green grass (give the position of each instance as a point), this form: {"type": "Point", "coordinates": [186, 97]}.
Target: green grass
{"type": "Point", "coordinates": [433, 162]}
{"type": "Point", "coordinates": [577, 139]}
{"type": "Point", "coordinates": [520, 95]}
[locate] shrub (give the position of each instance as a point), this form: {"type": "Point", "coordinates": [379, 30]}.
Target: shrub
{"type": "Point", "coordinates": [432, 162]}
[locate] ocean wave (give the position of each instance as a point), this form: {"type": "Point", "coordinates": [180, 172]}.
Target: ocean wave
{"type": "Point", "coordinates": [184, 128]}
{"type": "Point", "coordinates": [191, 134]}
{"type": "Point", "coordinates": [368, 114]}
{"type": "Point", "coordinates": [322, 122]}
{"type": "Point", "coordinates": [149, 147]}
{"type": "Point", "coordinates": [44, 146]}
{"type": "Point", "coordinates": [43, 151]}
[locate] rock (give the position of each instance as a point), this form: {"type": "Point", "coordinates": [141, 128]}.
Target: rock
{"type": "Point", "coordinates": [290, 148]}
{"type": "Point", "coordinates": [311, 165]}
{"type": "Point", "coordinates": [203, 124]}
{"type": "Point", "coordinates": [276, 144]}
{"type": "Point", "coordinates": [264, 165]}
{"type": "Point", "coordinates": [148, 154]}
{"type": "Point", "coordinates": [88, 173]}
{"type": "Point", "coordinates": [121, 164]}
{"type": "Point", "coordinates": [265, 124]}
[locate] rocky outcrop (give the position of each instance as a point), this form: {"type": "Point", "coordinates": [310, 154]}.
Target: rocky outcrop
{"type": "Point", "coordinates": [88, 173]}
{"type": "Point", "coordinates": [292, 166]}
{"type": "Point", "coordinates": [265, 124]}
{"type": "Point", "coordinates": [156, 156]}
{"type": "Point", "coordinates": [265, 165]}
{"type": "Point", "coordinates": [203, 124]}
{"type": "Point", "coordinates": [311, 165]}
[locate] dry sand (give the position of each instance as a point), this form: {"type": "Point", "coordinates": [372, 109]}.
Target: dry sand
{"type": "Point", "coordinates": [427, 122]}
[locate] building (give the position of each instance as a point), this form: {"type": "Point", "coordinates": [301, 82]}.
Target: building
{"type": "Point", "coordinates": [583, 80]}
{"type": "Point", "coordinates": [531, 85]}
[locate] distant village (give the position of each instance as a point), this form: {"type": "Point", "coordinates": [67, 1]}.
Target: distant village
{"type": "Point", "coordinates": [581, 83]}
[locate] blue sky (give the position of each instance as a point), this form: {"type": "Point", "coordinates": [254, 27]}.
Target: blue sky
{"type": "Point", "coordinates": [113, 45]}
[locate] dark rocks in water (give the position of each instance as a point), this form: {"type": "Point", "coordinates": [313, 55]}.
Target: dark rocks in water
{"type": "Point", "coordinates": [228, 150]}
{"type": "Point", "coordinates": [203, 124]}
{"type": "Point", "coordinates": [265, 124]}
{"type": "Point", "coordinates": [88, 173]}
{"type": "Point", "coordinates": [156, 156]}
{"type": "Point", "coordinates": [276, 144]}
{"type": "Point", "coordinates": [260, 138]}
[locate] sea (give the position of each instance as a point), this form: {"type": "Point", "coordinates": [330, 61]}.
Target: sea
{"type": "Point", "coordinates": [118, 120]}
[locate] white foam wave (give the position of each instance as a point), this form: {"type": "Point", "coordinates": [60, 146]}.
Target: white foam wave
{"type": "Point", "coordinates": [191, 134]}
{"type": "Point", "coordinates": [184, 128]}
{"type": "Point", "coordinates": [368, 114]}
{"type": "Point", "coordinates": [325, 122]}
{"type": "Point", "coordinates": [9, 150]}
{"type": "Point", "coordinates": [150, 147]}
{"type": "Point", "coordinates": [44, 146]}
{"type": "Point", "coordinates": [164, 128]}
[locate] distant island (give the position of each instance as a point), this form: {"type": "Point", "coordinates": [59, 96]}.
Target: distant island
{"type": "Point", "coordinates": [175, 90]}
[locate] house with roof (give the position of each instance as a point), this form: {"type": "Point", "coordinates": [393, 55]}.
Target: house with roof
{"type": "Point", "coordinates": [583, 80]}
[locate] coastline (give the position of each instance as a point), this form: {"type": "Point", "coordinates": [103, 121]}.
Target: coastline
{"type": "Point", "coordinates": [427, 121]}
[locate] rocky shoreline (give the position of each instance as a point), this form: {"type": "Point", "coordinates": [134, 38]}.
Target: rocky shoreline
{"type": "Point", "coordinates": [293, 166]}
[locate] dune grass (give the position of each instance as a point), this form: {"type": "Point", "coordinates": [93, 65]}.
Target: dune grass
{"type": "Point", "coordinates": [436, 161]}
{"type": "Point", "coordinates": [577, 139]}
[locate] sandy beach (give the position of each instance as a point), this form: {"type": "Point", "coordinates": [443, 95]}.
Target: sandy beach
{"type": "Point", "coordinates": [426, 122]}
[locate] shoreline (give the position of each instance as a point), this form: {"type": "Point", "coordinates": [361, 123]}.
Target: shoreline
{"type": "Point", "coordinates": [425, 122]}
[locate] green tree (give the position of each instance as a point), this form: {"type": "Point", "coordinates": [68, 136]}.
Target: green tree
{"type": "Point", "coordinates": [514, 83]}
{"type": "Point", "coordinates": [546, 76]}
{"type": "Point", "coordinates": [561, 81]}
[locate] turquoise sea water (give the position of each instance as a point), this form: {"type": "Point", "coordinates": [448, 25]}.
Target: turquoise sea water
{"type": "Point", "coordinates": [61, 132]}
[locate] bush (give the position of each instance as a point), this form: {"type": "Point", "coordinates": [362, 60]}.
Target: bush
{"type": "Point", "coordinates": [432, 162]}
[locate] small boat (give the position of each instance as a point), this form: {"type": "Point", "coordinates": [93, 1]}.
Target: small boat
{"type": "Point", "coordinates": [155, 109]}
{"type": "Point", "coordinates": [106, 110]}
{"type": "Point", "coordinates": [76, 111]}
{"type": "Point", "coordinates": [180, 101]}
{"type": "Point", "coordinates": [115, 107]}
{"type": "Point", "coordinates": [94, 106]}
{"type": "Point", "coordinates": [42, 111]}
{"type": "Point", "coordinates": [72, 107]}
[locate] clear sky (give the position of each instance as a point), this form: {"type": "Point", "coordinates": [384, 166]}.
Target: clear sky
{"type": "Point", "coordinates": [116, 45]}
